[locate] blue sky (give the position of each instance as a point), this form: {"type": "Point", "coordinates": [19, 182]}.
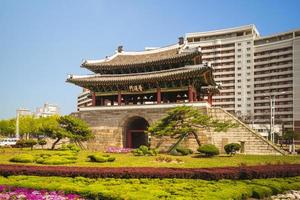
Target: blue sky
{"type": "Point", "coordinates": [41, 42]}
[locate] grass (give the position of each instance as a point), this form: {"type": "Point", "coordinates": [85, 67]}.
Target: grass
{"type": "Point", "coordinates": [128, 160]}
{"type": "Point", "coordinates": [157, 188]}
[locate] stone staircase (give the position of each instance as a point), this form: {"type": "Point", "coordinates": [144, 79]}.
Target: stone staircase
{"type": "Point", "coordinates": [252, 141]}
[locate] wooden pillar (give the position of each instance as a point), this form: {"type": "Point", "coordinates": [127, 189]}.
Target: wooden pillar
{"type": "Point", "coordinates": [190, 93]}
{"type": "Point", "coordinates": [158, 95]}
{"type": "Point", "coordinates": [209, 98]}
{"type": "Point", "coordinates": [93, 99]}
{"type": "Point", "coordinates": [101, 101]}
{"type": "Point", "coordinates": [119, 98]}
{"type": "Point", "coordinates": [194, 94]}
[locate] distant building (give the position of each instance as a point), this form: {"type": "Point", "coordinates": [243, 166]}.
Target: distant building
{"type": "Point", "coordinates": [24, 112]}
{"type": "Point", "coordinates": [47, 110]}
{"type": "Point", "coordinates": [264, 129]}
{"type": "Point", "coordinates": [84, 99]}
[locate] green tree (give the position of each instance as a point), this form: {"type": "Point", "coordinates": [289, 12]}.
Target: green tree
{"type": "Point", "coordinates": [62, 127]}
{"type": "Point", "coordinates": [7, 127]}
{"type": "Point", "coordinates": [78, 130]}
{"type": "Point", "coordinates": [51, 128]}
{"type": "Point", "coordinates": [182, 121]}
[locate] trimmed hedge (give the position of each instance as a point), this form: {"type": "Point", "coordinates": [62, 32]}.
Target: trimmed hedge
{"type": "Point", "coordinates": [101, 158]}
{"type": "Point", "coordinates": [249, 172]}
{"type": "Point", "coordinates": [23, 158]}
{"type": "Point", "coordinates": [208, 150]}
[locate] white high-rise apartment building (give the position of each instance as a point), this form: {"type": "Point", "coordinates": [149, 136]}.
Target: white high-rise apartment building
{"type": "Point", "coordinates": [252, 69]}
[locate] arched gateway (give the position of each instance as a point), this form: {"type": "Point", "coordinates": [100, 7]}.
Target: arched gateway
{"type": "Point", "coordinates": [135, 132]}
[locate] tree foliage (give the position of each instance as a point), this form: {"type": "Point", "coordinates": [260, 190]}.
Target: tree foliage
{"type": "Point", "coordinates": [182, 121]}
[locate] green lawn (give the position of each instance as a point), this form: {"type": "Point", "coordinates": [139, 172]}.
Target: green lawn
{"type": "Point", "coordinates": [157, 188]}
{"type": "Point", "coordinates": [191, 161]}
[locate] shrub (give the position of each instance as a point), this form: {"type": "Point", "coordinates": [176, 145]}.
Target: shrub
{"type": "Point", "coordinates": [26, 143]}
{"type": "Point", "coordinates": [261, 192]}
{"type": "Point", "coordinates": [101, 158]}
{"type": "Point", "coordinates": [232, 148]}
{"type": "Point", "coordinates": [70, 147]}
{"type": "Point", "coordinates": [248, 172]}
{"type": "Point", "coordinates": [184, 151]}
{"type": "Point", "coordinates": [208, 150]}
{"type": "Point", "coordinates": [55, 160]}
{"type": "Point", "coordinates": [144, 151]}
{"type": "Point", "coordinates": [30, 143]}
{"type": "Point", "coordinates": [23, 158]}
{"type": "Point", "coordinates": [42, 142]}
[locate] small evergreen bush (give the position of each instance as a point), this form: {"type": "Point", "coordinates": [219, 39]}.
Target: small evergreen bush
{"type": "Point", "coordinates": [101, 158]}
{"type": "Point", "coordinates": [208, 150]}
{"type": "Point", "coordinates": [70, 147]}
{"type": "Point", "coordinates": [261, 192]}
{"type": "Point", "coordinates": [23, 158]}
{"type": "Point", "coordinates": [232, 148]}
{"type": "Point", "coordinates": [30, 143]}
{"type": "Point", "coordinates": [42, 142]}
{"type": "Point", "coordinates": [55, 160]}
{"type": "Point", "coordinates": [144, 151]}
{"type": "Point", "coordinates": [184, 151]}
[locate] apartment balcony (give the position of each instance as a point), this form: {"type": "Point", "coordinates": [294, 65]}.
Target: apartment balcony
{"type": "Point", "coordinates": [274, 61]}
{"type": "Point", "coordinates": [217, 55]}
{"type": "Point", "coordinates": [288, 72]}
{"type": "Point", "coordinates": [232, 67]}
{"type": "Point", "coordinates": [224, 73]}
{"type": "Point", "coordinates": [225, 79]}
{"type": "Point", "coordinates": [281, 86]}
{"type": "Point", "coordinates": [277, 100]}
{"type": "Point", "coordinates": [217, 49]}
{"type": "Point", "coordinates": [273, 80]}
{"type": "Point", "coordinates": [277, 106]}
{"type": "Point", "coordinates": [224, 103]}
{"type": "Point", "coordinates": [274, 54]}
{"type": "Point", "coordinates": [272, 93]}
{"type": "Point", "coordinates": [276, 113]}
{"type": "Point", "coordinates": [284, 66]}
{"type": "Point", "coordinates": [227, 90]}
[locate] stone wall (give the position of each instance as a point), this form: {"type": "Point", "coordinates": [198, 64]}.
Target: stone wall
{"type": "Point", "coordinates": [109, 129]}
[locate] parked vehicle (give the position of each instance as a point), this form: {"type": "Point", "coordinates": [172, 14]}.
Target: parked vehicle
{"type": "Point", "coordinates": [8, 142]}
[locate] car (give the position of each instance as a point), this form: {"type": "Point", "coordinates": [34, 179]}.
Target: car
{"type": "Point", "coordinates": [8, 142]}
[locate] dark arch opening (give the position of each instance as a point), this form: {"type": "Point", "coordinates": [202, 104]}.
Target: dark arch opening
{"type": "Point", "coordinates": [135, 132]}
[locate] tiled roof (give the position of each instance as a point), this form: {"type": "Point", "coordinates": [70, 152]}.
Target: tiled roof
{"type": "Point", "coordinates": [151, 57]}
{"type": "Point", "coordinates": [193, 71]}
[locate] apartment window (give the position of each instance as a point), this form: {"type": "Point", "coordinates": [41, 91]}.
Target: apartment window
{"type": "Point", "coordinates": [239, 74]}
{"type": "Point", "coordinates": [239, 62]}
{"type": "Point", "coordinates": [239, 68]}
{"type": "Point", "coordinates": [248, 55]}
{"type": "Point", "coordinates": [248, 99]}
{"type": "Point", "coordinates": [239, 105]}
{"type": "Point", "coordinates": [239, 50]}
{"type": "Point", "coordinates": [239, 56]}
{"type": "Point", "coordinates": [248, 61]}
{"type": "Point", "coordinates": [248, 67]}
{"type": "Point", "coordinates": [239, 86]}
{"type": "Point", "coordinates": [239, 44]}
{"type": "Point", "coordinates": [239, 93]}
{"type": "Point", "coordinates": [248, 80]}
{"type": "Point", "coordinates": [239, 80]}
{"type": "Point", "coordinates": [248, 86]}
{"type": "Point", "coordinates": [249, 42]}
{"type": "Point", "coordinates": [248, 74]}
{"type": "Point", "coordinates": [249, 92]}
{"type": "Point", "coordinates": [248, 49]}
{"type": "Point", "coordinates": [249, 105]}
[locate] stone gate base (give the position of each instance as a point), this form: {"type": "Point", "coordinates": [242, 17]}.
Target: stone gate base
{"type": "Point", "coordinates": [109, 127]}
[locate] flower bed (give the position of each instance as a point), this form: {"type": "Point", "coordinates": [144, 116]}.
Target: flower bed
{"type": "Point", "coordinates": [243, 172]}
{"type": "Point", "coordinates": [118, 150]}
{"type": "Point", "coordinates": [9, 193]}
